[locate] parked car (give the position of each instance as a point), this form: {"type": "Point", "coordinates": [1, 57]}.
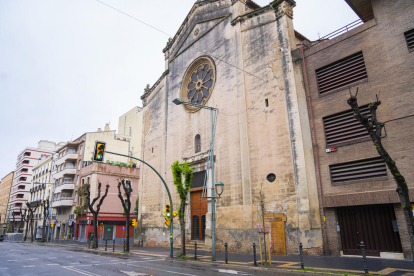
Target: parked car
{"type": "Point", "coordinates": [1, 237]}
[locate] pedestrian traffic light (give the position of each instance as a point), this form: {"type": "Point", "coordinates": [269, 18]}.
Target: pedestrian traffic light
{"type": "Point", "coordinates": [52, 223]}
{"type": "Point", "coordinates": [167, 214]}
{"type": "Point", "coordinates": [134, 223]}
{"type": "Point", "coordinates": [174, 214]}
{"type": "Point", "coordinates": [98, 154]}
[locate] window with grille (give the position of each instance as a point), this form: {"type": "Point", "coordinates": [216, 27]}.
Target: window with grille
{"type": "Point", "coordinates": [341, 74]}
{"type": "Point", "coordinates": [343, 127]}
{"type": "Point", "coordinates": [198, 179]}
{"type": "Point", "coordinates": [409, 38]}
{"type": "Point", "coordinates": [358, 170]}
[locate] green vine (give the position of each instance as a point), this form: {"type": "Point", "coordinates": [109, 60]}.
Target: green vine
{"type": "Point", "coordinates": [80, 210]}
{"type": "Point", "coordinates": [178, 170]}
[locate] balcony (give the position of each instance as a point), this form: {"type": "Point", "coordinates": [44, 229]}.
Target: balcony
{"type": "Point", "coordinates": [63, 202]}
{"type": "Point", "coordinates": [72, 155]}
{"type": "Point", "coordinates": [64, 186]}
{"type": "Point", "coordinates": [66, 171]}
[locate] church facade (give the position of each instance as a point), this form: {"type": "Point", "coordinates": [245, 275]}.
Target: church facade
{"type": "Point", "coordinates": [235, 56]}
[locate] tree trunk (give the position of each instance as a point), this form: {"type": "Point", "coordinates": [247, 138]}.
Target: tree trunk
{"type": "Point", "coordinates": [182, 224]}
{"type": "Point", "coordinates": [127, 231]}
{"type": "Point", "coordinates": [95, 230]}
{"type": "Point", "coordinates": [25, 232]}
{"type": "Point", "coordinates": [31, 226]}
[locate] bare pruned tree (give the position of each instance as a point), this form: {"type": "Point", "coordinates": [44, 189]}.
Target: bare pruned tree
{"type": "Point", "coordinates": [26, 218]}
{"type": "Point", "coordinates": [45, 214]}
{"type": "Point", "coordinates": [31, 216]}
{"type": "Point", "coordinates": [22, 215]}
{"type": "Point", "coordinates": [14, 221]}
{"type": "Point", "coordinates": [95, 213]}
{"type": "Point", "coordinates": [374, 129]}
{"type": "Point", "coordinates": [126, 204]}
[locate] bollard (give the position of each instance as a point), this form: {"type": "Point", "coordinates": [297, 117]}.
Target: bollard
{"type": "Point", "coordinates": [302, 266]}
{"type": "Point", "coordinates": [225, 254]}
{"type": "Point", "coordinates": [124, 245]}
{"type": "Point", "coordinates": [113, 247]}
{"type": "Point", "coordinates": [364, 257]}
{"type": "Point", "coordinates": [254, 254]}
{"type": "Point", "coordinates": [195, 251]}
{"type": "Point", "coordinates": [106, 245]}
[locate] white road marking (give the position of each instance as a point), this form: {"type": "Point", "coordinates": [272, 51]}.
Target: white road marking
{"type": "Point", "coordinates": [133, 273]}
{"type": "Point", "coordinates": [29, 266]}
{"type": "Point", "coordinates": [12, 260]}
{"type": "Point", "coordinates": [52, 264]}
{"type": "Point", "coordinates": [173, 272]}
{"type": "Point", "coordinates": [83, 272]}
{"type": "Point", "coordinates": [232, 272]}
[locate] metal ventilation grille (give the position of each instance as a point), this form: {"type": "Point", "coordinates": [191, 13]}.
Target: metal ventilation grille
{"type": "Point", "coordinates": [409, 37]}
{"type": "Point", "coordinates": [341, 73]}
{"type": "Point", "coordinates": [358, 170]}
{"type": "Point", "coordinates": [343, 127]}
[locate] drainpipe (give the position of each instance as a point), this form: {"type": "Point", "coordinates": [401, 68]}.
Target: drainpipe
{"type": "Point", "coordinates": [315, 145]}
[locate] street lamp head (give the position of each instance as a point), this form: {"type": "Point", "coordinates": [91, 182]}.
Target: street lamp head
{"type": "Point", "coordinates": [219, 188]}
{"type": "Point", "coordinates": [178, 101]}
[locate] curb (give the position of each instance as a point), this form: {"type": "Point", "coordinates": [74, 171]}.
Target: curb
{"type": "Point", "coordinates": [131, 254]}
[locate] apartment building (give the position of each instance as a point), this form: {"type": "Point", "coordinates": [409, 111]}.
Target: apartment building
{"type": "Point", "coordinates": [357, 191]}
{"type": "Point", "coordinates": [114, 168]}
{"type": "Point", "coordinates": [22, 178]}
{"type": "Point", "coordinates": [67, 163]}
{"type": "Point", "coordinates": [130, 125]}
{"type": "Point", "coordinates": [40, 192]}
{"type": "Point", "coordinates": [5, 189]}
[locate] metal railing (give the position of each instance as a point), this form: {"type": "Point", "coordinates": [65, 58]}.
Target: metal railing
{"type": "Point", "coordinates": [341, 31]}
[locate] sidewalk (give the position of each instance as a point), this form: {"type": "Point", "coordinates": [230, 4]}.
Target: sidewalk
{"type": "Point", "coordinates": [324, 264]}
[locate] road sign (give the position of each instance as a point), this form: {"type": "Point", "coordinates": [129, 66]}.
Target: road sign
{"type": "Point", "coordinates": [123, 227]}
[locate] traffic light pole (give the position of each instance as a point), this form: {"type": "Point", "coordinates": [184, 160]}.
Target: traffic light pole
{"type": "Point", "coordinates": [168, 191]}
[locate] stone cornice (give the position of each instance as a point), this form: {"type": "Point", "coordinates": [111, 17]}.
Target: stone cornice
{"type": "Point", "coordinates": [250, 14]}
{"type": "Point", "coordinates": [149, 91]}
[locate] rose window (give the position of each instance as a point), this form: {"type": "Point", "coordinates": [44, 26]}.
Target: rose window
{"type": "Point", "coordinates": [198, 83]}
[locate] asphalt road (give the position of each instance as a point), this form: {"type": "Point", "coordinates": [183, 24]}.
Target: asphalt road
{"type": "Point", "coordinates": [33, 259]}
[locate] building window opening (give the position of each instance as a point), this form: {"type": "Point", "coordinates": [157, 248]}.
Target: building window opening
{"type": "Point", "coordinates": [267, 103]}
{"type": "Point", "coordinates": [271, 177]}
{"type": "Point", "coordinates": [197, 143]}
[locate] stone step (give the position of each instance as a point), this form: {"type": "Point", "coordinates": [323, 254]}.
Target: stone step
{"type": "Point", "coordinates": [189, 245]}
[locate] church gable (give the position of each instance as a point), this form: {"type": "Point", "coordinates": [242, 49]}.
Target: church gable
{"type": "Point", "coordinates": [205, 18]}
{"type": "Point", "coordinates": [198, 30]}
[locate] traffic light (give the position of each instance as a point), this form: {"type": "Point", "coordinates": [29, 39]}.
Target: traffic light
{"type": "Point", "coordinates": [174, 214]}
{"type": "Point", "coordinates": [134, 223]}
{"type": "Point", "coordinates": [167, 214]}
{"type": "Point", "coordinates": [101, 226]}
{"type": "Point", "coordinates": [52, 223]}
{"type": "Point", "coordinates": [98, 154]}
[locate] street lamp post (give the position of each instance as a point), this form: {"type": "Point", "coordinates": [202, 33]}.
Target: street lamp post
{"type": "Point", "coordinates": [210, 164]}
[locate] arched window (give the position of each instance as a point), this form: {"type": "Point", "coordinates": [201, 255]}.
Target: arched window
{"type": "Point", "coordinates": [197, 143]}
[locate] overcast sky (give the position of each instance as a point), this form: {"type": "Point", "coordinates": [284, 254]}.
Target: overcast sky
{"type": "Point", "coordinates": [69, 66]}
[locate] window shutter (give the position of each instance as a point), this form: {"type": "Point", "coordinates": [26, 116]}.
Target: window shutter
{"type": "Point", "coordinates": [343, 127]}
{"type": "Point", "coordinates": [358, 170]}
{"type": "Point", "coordinates": [341, 74]}
{"type": "Point", "coordinates": [409, 38]}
